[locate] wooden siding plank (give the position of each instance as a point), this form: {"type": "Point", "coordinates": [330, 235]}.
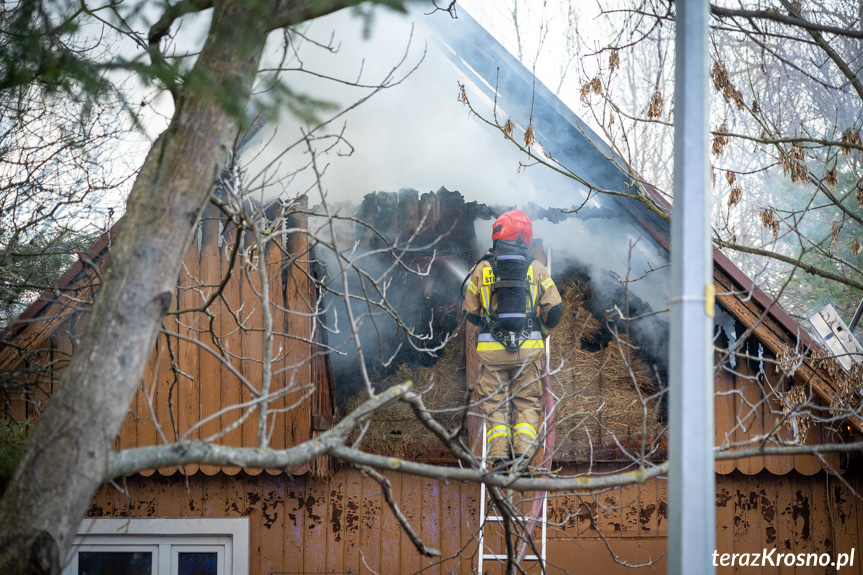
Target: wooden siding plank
{"type": "Point", "coordinates": [747, 522]}
{"type": "Point", "coordinates": [747, 401]}
{"type": "Point", "coordinates": [452, 524]}
{"type": "Point", "coordinates": [725, 519]}
{"type": "Point", "coordinates": [100, 506]}
{"type": "Point", "coordinates": [785, 527]}
{"type": "Point", "coordinates": [273, 522]}
{"type": "Point", "coordinates": [662, 508]}
{"type": "Point", "coordinates": [295, 529]}
{"type": "Point", "coordinates": [769, 493]}
{"type": "Point", "coordinates": [809, 464]}
{"type": "Point", "coordinates": [608, 513]}
{"type": "Point", "coordinates": [371, 516]}
{"type": "Point", "coordinates": [803, 515]}
{"type": "Point", "coordinates": [430, 526]}
{"type": "Point", "coordinates": [252, 340]}
{"type": "Point", "coordinates": [753, 417]}
{"type": "Point", "coordinates": [299, 306]}
{"type": "Point", "coordinates": [195, 496]}
{"type": "Point", "coordinates": [277, 420]}
{"type": "Point", "coordinates": [843, 508]}
{"type": "Point", "coordinates": [165, 398]}
{"type": "Point", "coordinates": [630, 499]}
{"type": "Point", "coordinates": [391, 531]}
{"type": "Point", "coordinates": [253, 492]}
{"type": "Point", "coordinates": [586, 518]}
{"type": "Point", "coordinates": [352, 521]}
{"type": "Point", "coordinates": [235, 496]}
{"type": "Point", "coordinates": [411, 498]}
{"type": "Point", "coordinates": [209, 366]}
{"type": "Point", "coordinates": [315, 548]}
{"type": "Point", "coordinates": [174, 487]}
{"type": "Point", "coordinates": [144, 427]}
{"type": "Point", "coordinates": [822, 532]}
{"type": "Point", "coordinates": [777, 464]}
{"type": "Point", "coordinates": [724, 416]}
{"type": "Point", "coordinates": [213, 500]}
{"type": "Point", "coordinates": [831, 462]}
{"type": "Point", "coordinates": [231, 342]}
{"type": "Point", "coordinates": [648, 510]}
{"type": "Point", "coordinates": [334, 525]}
{"type": "Point", "coordinates": [145, 495]}
{"type": "Point", "coordinates": [186, 325]}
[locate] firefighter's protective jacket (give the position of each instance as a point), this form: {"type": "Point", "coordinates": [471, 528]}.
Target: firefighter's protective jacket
{"type": "Point", "coordinates": [509, 381]}
{"type": "Point", "coordinates": [480, 301]}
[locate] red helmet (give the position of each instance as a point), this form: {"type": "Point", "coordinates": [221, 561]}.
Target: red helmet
{"type": "Point", "coordinates": [512, 225]}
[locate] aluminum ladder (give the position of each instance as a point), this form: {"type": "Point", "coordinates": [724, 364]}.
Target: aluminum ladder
{"type": "Point", "coordinates": [481, 554]}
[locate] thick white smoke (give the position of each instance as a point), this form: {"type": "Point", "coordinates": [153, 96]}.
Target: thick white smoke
{"type": "Point", "coordinates": [416, 134]}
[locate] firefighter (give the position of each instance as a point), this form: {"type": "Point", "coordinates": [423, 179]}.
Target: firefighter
{"type": "Point", "coordinates": [513, 300]}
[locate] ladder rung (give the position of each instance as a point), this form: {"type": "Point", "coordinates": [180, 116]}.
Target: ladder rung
{"type": "Point", "coordinates": [499, 557]}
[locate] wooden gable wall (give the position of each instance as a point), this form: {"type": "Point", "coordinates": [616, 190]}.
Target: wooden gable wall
{"type": "Point", "coordinates": [191, 389]}
{"type": "Point", "coordinates": [747, 405]}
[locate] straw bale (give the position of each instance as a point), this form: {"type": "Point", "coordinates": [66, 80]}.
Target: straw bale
{"type": "Point", "coordinates": [577, 326]}
{"type": "Point", "coordinates": [394, 429]}
{"type": "Point", "coordinates": [606, 397]}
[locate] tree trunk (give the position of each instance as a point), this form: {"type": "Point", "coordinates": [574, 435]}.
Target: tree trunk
{"type": "Point", "coordinates": [68, 452]}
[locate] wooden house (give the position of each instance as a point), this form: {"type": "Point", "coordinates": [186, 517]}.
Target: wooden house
{"type": "Point", "coordinates": [203, 381]}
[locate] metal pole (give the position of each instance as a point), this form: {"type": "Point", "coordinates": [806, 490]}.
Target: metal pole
{"type": "Point", "coordinates": [691, 485]}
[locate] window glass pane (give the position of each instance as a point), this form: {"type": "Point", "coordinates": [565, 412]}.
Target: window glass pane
{"type": "Point", "coordinates": [197, 564]}
{"type": "Point", "coordinates": [115, 563]}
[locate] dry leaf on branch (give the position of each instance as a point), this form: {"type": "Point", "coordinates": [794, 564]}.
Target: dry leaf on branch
{"type": "Point", "coordinates": [852, 138]}
{"type": "Point", "coordinates": [769, 221]}
{"type": "Point", "coordinates": [831, 177]}
{"type": "Point", "coordinates": [735, 196]}
{"type": "Point", "coordinates": [722, 83]}
{"type": "Point", "coordinates": [730, 177]}
{"type": "Point", "coordinates": [529, 138]}
{"type": "Point", "coordinates": [834, 236]}
{"type": "Point", "coordinates": [720, 140]}
{"type": "Point", "coordinates": [462, 95]}
{"type": "Point", "coordinates": [792, 163]}
{"type": "Point", "coordinates": [654, 109]}
{"type": "Point", "coordinates": [856, 248]}
{"type": "Point", "coordinates": [508, 128]}
{"type": "Point", "coordinates": [596, 85]}
{"type": "Point", "coordinates": [614, 60]}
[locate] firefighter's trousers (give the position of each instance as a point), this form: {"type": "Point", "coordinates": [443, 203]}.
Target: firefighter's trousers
{"type": "Point", "coordinates": [512, 402]}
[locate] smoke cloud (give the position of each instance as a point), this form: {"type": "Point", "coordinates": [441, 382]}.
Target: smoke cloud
{"type": "Point", "coordinates": [417, 134]}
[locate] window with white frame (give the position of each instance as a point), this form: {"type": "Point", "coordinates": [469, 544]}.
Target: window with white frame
{"type": "Point", "coordinates": [160, 546]}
